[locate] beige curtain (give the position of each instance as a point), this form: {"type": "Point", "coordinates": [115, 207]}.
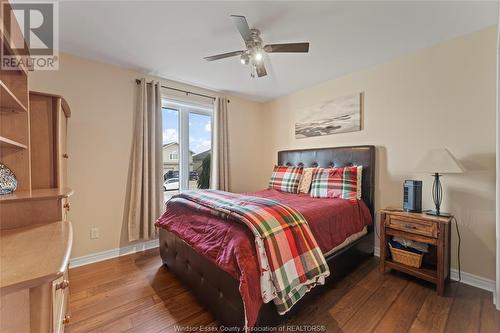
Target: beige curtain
{"type": "Point", "coordinates": [146, 200]}
{"type": "Point", "coordinates": [220, 160]}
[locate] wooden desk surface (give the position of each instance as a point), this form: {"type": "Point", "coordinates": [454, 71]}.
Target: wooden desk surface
{"type": "Point", "coordinates": [34, 255]}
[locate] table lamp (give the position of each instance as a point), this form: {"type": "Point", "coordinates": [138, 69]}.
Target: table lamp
{"type": "Point", "coordinates": [438, 162]}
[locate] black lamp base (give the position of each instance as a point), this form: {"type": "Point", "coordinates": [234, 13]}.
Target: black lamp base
{"type": "Point", "coordinates": [434, 213]}
{"type": "Point", "coordinates": [437, 196]}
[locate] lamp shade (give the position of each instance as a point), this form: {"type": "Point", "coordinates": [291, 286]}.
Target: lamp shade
{"type": "Point", "coordinates": [439, 161]}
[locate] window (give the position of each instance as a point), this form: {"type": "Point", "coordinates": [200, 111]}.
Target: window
{"type": "Point", "coordinates": [174, 156]}
{"type": "Point", "coordinates": [187, 146]}
{"type": "Point", "coordinates": [200, 149]}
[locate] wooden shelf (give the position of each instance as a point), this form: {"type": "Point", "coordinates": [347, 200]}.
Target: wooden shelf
{"type": "Point", "coordinates": [37, 194]}
{"type": "Point", "coordinates": [8, 143]}
{"type": "Point", "coordinates": [426, 273]}
{"type": "Point", "coordinates": [5, 38]}
{"type": "Point", "coordinates": [34, 255]}
{"type": "Point", "coordinates": [9, 100]}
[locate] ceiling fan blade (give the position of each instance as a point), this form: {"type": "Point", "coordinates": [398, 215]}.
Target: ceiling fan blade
{"type": "Point", "coordinates": [223, 55]}
{"type": "Point", "coordinates": [287, 47]}
{"type": "Point", "coordinates": [260, 69]}
{"type": "Point", "coordinates": [241, 24]}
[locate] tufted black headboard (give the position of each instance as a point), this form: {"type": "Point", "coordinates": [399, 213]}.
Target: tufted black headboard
{"type": "Point", "coordinates": [338, 157]}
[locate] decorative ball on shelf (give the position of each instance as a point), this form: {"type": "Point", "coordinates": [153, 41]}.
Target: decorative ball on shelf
{"type": "Point", "coordinates": [8, 181]}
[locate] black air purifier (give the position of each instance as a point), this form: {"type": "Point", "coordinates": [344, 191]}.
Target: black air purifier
{"type": "Point", "coordinates": [412, 196]}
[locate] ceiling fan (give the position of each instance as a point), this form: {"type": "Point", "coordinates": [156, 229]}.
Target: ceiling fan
{"type": "Point", "coordinates": [254, 52]}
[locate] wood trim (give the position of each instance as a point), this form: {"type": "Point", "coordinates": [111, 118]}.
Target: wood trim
{"type": "Point", "coordinates": [65, 107]}
{"type": "Point", "coordinates": [419, 216]}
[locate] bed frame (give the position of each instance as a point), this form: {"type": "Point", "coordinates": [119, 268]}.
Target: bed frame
{"type": "Point", "coordinates": [218, 290]}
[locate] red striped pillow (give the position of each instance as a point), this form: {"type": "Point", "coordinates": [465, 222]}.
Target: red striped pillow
{"type": "Point", "coordinates": [336, 183]}
{"type": "Point", "coordinates": [286, 178]}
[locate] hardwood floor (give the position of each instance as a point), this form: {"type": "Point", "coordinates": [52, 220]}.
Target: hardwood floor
{"type": "Point", "coordinates": [136, 293]}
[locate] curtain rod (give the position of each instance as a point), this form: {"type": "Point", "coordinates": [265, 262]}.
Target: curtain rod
{"type": "Point", "coordinates": [184, 91]}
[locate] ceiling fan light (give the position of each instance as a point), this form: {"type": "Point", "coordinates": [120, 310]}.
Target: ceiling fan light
{"type": "Point", "coordinates": [244, 59]}
{"type": "Point", "coordinates": [258, 56]}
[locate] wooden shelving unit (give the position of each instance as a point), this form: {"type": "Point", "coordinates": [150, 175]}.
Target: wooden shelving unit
{"type": "Point", "coordinates": [9, 101]}
{"type": "Point", "coordinates": [14, 118]}
{"type": "Point", "coordinates": [39, 165]}
{"type": "Point", "coordinates": [32, 144]}
{"type": "Point", "coordinates": [8, 143]}
{"type": "Point", "coordinates": [35, 234]}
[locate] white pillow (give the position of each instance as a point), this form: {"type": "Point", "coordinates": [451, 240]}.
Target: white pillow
{"type": "Point", "coordinates": [358, 182]}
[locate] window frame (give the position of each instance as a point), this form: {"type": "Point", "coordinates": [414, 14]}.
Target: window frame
{"type": "Point", "coordinates": [184, 109]}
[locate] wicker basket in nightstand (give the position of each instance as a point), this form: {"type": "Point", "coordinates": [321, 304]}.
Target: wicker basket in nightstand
{"type": "Point", "coordinates": [406, 257]}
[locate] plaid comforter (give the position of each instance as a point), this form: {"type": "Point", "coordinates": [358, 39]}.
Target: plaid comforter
{"type": "Point", "coordinates": [290, 260]}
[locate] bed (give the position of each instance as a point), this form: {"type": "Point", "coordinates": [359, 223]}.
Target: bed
{"type": "Point", "coordinates": [218, 289]}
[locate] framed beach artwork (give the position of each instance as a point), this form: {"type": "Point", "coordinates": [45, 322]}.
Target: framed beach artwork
{"type": "Point", "coordinates": [336, 115]}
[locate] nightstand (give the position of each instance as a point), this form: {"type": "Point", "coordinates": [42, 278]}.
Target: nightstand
{"type": "Point", "coordinates": [420, 227]}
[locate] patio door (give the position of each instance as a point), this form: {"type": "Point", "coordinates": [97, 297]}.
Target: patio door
{"type": "Point", "coordinates": [187, 146]}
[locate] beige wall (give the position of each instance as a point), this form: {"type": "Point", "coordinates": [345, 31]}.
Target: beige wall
{"type": "Point", "coordinates": [102, 99]}
{"type": "Point", "coordinates": [443, 96]}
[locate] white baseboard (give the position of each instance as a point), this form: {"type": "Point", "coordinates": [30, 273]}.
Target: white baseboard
{"type": "Point", "coordinates": [473, 280]}
{"type": "Point", "coordinates": [467, 278]}
{"type": "Point", "coordinates": [113, 253]}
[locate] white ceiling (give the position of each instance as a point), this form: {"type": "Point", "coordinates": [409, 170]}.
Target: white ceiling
{"type": "Point", "coordinates": [169, 39]}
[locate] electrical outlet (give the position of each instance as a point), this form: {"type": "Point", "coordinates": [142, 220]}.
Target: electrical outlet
{"type": "Point", "coordinates": [94, 233]}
